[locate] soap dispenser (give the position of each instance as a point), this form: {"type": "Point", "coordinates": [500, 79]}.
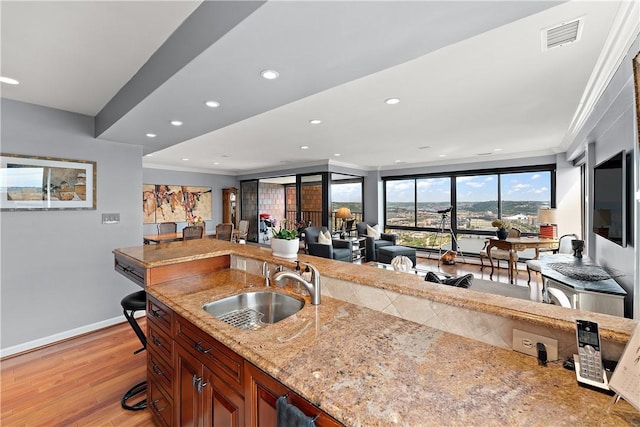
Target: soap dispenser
{"type": "Point", "coordinates": [296, 285]}
{"type": "Point", "coordinates": [307, 276]}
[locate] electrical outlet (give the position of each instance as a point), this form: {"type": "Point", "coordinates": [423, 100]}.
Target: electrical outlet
{"type": "Point", "coordinates": [525, 342]}
{"type": "Point", "coordinates": [110, 218]}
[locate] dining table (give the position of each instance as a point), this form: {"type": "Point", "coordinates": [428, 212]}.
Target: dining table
{"type": "Point", "coordinates": [516, 244]}
{"type": "Point", "coordinates": [167, 237]}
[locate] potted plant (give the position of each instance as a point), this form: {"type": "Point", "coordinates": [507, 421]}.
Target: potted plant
{"type": "Point", "coordinates": [503, 227]}
{"type": "Point", "coordinates": [285, 242]}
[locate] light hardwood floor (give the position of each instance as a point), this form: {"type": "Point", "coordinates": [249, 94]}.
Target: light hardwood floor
{"type": "Point", "coordinates": [81, 381]}
{"type": "Point", "coordinates": [76, 382]}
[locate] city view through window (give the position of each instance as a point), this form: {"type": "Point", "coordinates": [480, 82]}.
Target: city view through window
{"type": "Point", "coordinates": [412, 207]}
{"type": "Point", "coordinates": [349, 195]}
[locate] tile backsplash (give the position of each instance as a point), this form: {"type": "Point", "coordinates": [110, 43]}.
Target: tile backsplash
{"type": "Point", "coordinates": [480, 326]}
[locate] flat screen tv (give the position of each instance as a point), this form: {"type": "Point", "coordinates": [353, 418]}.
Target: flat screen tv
{"type": "Point", "coordinates": [609, 199]}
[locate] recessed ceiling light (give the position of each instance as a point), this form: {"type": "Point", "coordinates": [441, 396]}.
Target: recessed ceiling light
{"type": "Point", "coordinates": [392, 101]}
{"type": "Point", "coordinates": [270, 74]}
{"type": "Point", "coordinates": [400, 162]}
{"type": "Point", "coordinates": [337, 154]}
{"type": "Point", "coordinates": [304, 147]}
{"type": "Point", "coordinates": [212, 104]}
{"type": "Point", "coordinates": [442, 155]}
{"type": "Point", "coordinates": [216, 163]}
{"type": "Point", "coordinates": [151, 135]}
{"type": "Point", "coordinates": [315, 121]}
{"type": "Point", "coordinates": [9, 81]}
{"type": "Point", "coordinates": [497, 149]}
{"type": "Point", "coordinates": [176, 122]}
{"type": "Point", "coordinates": [185, 159]}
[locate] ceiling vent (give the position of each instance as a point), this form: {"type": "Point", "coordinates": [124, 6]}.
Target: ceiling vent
{"type": "Point", "coordinates": [560, 35]}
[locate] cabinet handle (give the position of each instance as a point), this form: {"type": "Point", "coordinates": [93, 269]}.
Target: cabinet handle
{"type": "Point", "coordinates": [201, 349]}
{"type": "Point", "coordinates": [155, 406]}
{"type": "Point", "coordinates": [195, 380]}
{"type": "Point", "coordinates": [156, 341]}
{"type": "Point", "coordinates": [201, 385]}
{"type": "Point", "coordinates": [156, 314]}
{"type": "Point", "coordinates": [157, 370]}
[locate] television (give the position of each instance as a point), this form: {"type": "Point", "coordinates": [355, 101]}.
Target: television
{"type": "Point", "coordinates": [610, 199]}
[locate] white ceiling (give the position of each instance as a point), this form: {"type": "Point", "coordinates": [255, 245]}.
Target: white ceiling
{"type": "Point", "coordinates": [473, 80]}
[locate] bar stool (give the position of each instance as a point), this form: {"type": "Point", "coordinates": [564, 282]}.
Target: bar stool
{"type": "Point", "coordinates": [136, 301]}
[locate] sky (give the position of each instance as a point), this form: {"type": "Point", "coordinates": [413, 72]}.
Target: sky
{"type": "Point", "coordinates": [527, 186]}
{"type": "Point", "coordinates": [351, 192]}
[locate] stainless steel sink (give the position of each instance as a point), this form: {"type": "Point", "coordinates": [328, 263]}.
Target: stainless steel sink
{"type": "Point", "coordinates": [252, 310]}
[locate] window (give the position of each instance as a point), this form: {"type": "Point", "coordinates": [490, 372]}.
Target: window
{"type": "Point", "coordinates": [401, 203]}
{"type": "Point", "coordinates": [432, 195]}
{"type": "Point", "coordinates": [346, 191]}
{"type": "Point", "coordinates": [516, 194]}
{"type": "Point", "coordinates": [477, 202]}
{"type": "Point", "coordinates": [522, 195]}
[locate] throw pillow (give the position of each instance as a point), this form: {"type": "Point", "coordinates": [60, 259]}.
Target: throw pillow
{"type": "Point", "coordinates": [373, 231]}
{"type": "Point", "coordinates": [324, 238]}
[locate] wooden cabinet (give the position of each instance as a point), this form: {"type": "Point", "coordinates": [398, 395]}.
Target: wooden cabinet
{"type": "Point", "coordinates": [230, 206]}
{"type": "Point", "coordinates": [203, 399]}
{"type": "Point", "coordinates": [262, 391]}
{"type": "Point", "coordinates": [194, 380]}
{"type": "Point", "coordinates": [160, 372]}
{"type": "Point", "coordinates": [149, 276]}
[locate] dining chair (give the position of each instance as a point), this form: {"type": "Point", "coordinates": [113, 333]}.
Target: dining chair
{"type": "Point", "coordinates": [167, 227]}
{"type": "Point", "coordinates": [242, 232]}
{"type": "Point", "coordinates": [224, 231]}
{"type": "Point", "coordinates": [500, 254]}
{"type": "Point", "coordinates": [564, 247]}
{"type": "Point", "coordinates": [192, 232]}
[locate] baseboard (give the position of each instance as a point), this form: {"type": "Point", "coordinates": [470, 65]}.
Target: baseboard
{"type": "Point", "coordinates": [41, 342]}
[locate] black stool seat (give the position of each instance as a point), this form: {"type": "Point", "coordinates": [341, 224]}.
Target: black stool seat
{"type": "Point", "coordinates": [136, 301]}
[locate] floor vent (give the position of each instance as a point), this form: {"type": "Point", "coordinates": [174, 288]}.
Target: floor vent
{"type": "Point", "coordinates": [561, 35]}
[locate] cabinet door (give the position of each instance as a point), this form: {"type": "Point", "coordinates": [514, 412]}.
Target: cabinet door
{"type": "Point", "coordinates": [222, 406]}
{"type": "Point", "coordinates": [263, 391]}
{"type": "Point", "coordinates": [189, 373]}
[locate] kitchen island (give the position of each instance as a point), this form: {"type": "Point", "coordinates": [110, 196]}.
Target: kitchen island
{"type": "Point", "coordinates": [364, 367]}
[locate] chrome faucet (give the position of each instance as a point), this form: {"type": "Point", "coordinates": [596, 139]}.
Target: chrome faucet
{"type": "Point", "coordinates": [313, 286]}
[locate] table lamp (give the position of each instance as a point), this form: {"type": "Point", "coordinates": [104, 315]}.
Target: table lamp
{"type": "Point", "coordinates": [343, 213]}
{"type": "Point", "coordinates": [546, 220]}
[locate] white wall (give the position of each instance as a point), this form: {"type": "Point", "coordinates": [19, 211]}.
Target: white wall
{"type": "Point", "coordinates": [568, 197]}
{"type": "Point", "coordinates": [57, 277]}
{"type": "Point", "coordinates": [612, 127]}
{"type": "Point", "coordinates": [620, 136]}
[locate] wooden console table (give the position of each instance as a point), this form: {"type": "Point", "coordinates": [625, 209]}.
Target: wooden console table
{"type": "Point", "coordinates": [515, 244]}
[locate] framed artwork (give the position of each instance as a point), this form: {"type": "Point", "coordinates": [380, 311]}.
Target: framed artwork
{"type": "Point", "coordinates": [46, 183]}
{"type": "Point", "coordinates": [175, 203]}
{"type": "Point", "coordinates": [636, 76]}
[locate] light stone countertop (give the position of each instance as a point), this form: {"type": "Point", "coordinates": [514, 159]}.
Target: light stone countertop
{"type": "Point", "coordinates": [367, 368]}
{"type": "Point", "coordinates": [613, 329]}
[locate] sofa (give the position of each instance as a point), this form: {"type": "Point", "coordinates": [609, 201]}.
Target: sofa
{"type": "Point", "coordinates": [371, 244]}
